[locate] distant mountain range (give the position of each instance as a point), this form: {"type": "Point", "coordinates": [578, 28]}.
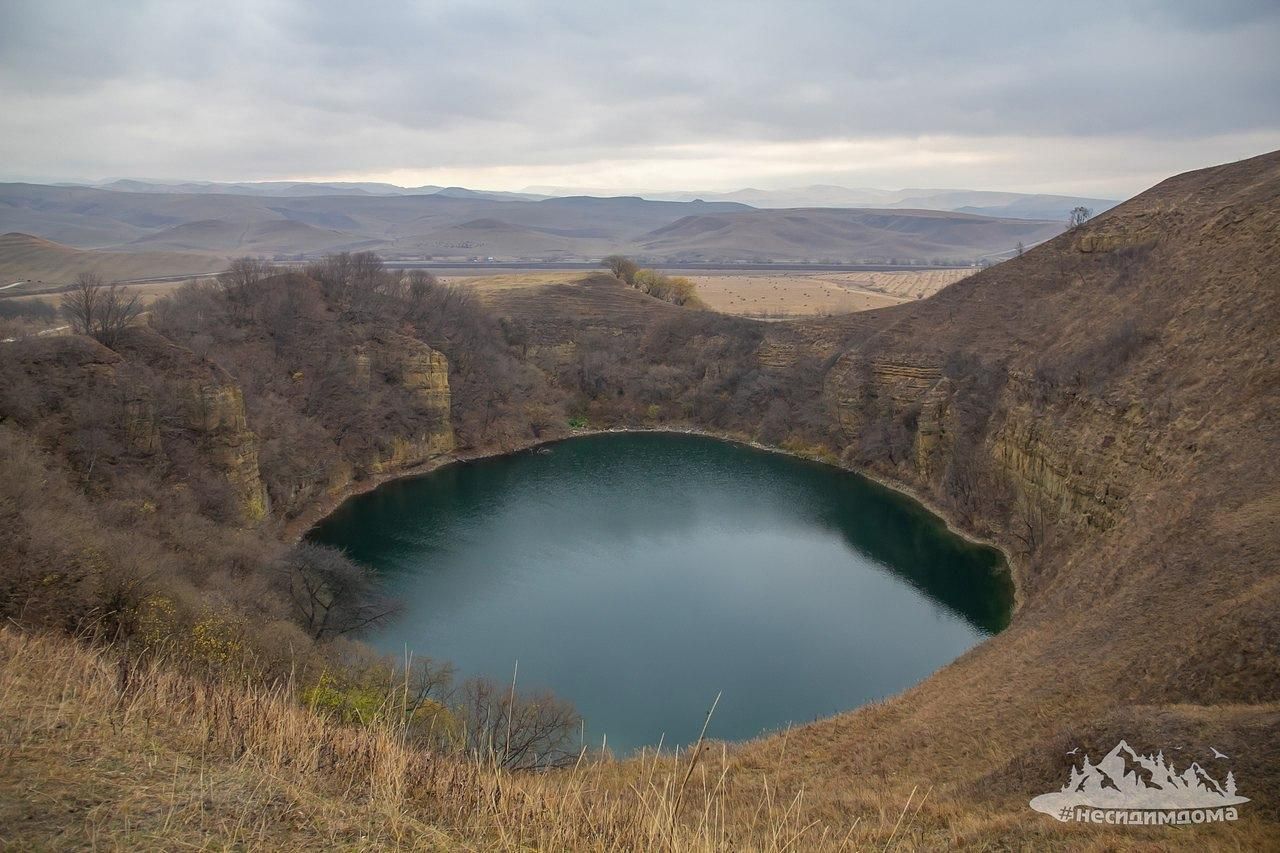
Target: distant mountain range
{"type": "Point", "coordinates": [1006, 205]}
{"type": "Point", "coordinates": [987, 203]}
{"type": "Point", "coordinates": [302, 220]}
{"type": "Point", "coordinates": [293, 189]}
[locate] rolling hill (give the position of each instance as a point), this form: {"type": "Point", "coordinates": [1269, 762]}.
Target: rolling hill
{"type": "Point", "coordinates": [27, 258]}
{"type": "Point", "coordinates": [845, 235]}
{"type": "Point", "coordinates": [1008, 205]}
{"type": "Point", "coordinates": [458, 224]}
{"type": "Point", "coordinates": [272, 237]}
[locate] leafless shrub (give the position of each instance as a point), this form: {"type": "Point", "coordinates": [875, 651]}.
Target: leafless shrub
{"type": "Point", "coordinates": [1029, 524]}
{"type": "Point", "coordinates": [517, 731]}
{"type": "Point", "coordinates": [332, 595]}
{"type": "Point", "coordinates": [240, 283]}
{"type": "Point", "coordinates": [104, 312]}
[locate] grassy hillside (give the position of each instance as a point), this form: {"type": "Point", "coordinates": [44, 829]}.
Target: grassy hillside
{"type": "Point", "coordinates": [845, 235]}
{"type": "Point", "coordinates": [27, 258]}
{"type": "Point", "coordinates": [230, 238]}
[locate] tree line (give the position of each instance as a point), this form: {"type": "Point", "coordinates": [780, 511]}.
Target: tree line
{"type": "Point", "coordinates": [677, 290]}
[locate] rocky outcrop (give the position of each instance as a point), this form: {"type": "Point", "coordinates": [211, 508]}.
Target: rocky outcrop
{"type": "Point", "coordinates": [207, 411]}
{"type": "Point", "coordinates": [860, 390]}
{"type": "Point", "coordinates": [146, 402]}
{"type": "Point", "coordinates": [934, 429]}
{"type": "Point", "coordinates": [424, 373]}
{"type": "Point", "coordinates": [214, 410]}
{"type": "Point", "coordinates": [141, 428]}
{"type": "Point", "coordinates": [1015, 437]}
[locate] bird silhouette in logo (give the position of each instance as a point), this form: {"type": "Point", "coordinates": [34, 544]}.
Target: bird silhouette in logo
{"type": "Point", "coordinates": [1074, 751]}
{"type": "Point", "coordinates": [1217, 754]}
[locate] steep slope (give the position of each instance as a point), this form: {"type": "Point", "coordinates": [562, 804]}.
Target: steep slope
{"type": "Point", "coordinates": [1106, 406]}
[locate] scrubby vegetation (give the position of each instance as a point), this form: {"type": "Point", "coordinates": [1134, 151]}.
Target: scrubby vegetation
{"type": "Point", "coordinates": [121, 512]}
{"type": "Point", "coordinates": [21, 317]}
{"type": "Point", "coordinates": [104, 312]}
{"type": "Point", "coordinates": [677, 290]}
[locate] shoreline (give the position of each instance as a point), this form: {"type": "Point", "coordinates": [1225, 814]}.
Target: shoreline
{"type": "Point", "coordinates": [296, 529]}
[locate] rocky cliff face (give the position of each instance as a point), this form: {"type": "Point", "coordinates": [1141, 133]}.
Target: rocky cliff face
{"type": "Point", "coordinates": [424, 373]}
{"type": "Point", "coordinates": [1018, 437]}
{"type": "Point", "coordinates": [147, 403]}
{"type": "Point", "coordinates": [1116, 387]}
{"type": "Point", "coordinates": [215, 412]}
{"type": "Point", "coordinates": [163, 404]}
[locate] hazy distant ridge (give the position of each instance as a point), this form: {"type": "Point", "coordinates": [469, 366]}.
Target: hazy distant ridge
{"type": "Point", "coordinates": [296, 220]}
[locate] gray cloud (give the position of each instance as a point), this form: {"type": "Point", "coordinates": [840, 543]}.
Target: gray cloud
{"type": "Point", "coordinates": [516, 92]}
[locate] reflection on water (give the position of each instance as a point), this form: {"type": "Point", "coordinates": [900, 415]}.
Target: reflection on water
{"type": "Point", "coordinates": [639, 574]}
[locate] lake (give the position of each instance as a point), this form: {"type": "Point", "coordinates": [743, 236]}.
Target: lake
{"type": "Point", "coordinates": [639, 574]}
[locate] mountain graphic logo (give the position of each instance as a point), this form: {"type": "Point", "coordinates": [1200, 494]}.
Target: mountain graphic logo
{"type": "Point", "coordinates": [1125, 781]}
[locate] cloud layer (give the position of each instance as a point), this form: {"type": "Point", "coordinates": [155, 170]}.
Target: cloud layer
{"type": "Point", "coordinates": [1085, 97]}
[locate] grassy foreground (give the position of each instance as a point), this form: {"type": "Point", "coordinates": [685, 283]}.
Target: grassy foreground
{"type": "Point", "coordinates": [99, 754]}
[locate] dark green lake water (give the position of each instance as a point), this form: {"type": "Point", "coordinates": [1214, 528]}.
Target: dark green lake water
{"type": "Point", "coordinates": [639, 574]}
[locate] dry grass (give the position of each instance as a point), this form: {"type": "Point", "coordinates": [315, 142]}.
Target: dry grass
{"type": "Point", "coordinates": [515, 280]}
{"type": "Point", "coordinates": [797, 294]}
{"type": "Point", "coordinates": [765, 294]}
{"type": "Point", "coordinates": [98, 754]}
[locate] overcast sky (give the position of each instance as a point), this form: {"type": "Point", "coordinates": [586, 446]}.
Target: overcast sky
{"type": "Point", "coordinates": [1095, 98]}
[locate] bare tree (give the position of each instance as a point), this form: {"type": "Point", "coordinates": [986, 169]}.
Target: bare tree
{"type": "Point", "coordinates": [100, 311]}
{"type": "Point", "coordinates": [1029, 524]}
{"type": "Point", "coordinates": [358, 283]}
{"type": "Point", "coordinates": [331, 594]}
{"type": "Point", "coordinates": [421, 283]}
{"type": "Point", "coordinates": [117, 311]}
{"type": "Point", "coordinates": [1078, 216]}
{"type": "Point", "coordinates": [1021, 249]}
{"type": "Point", "coordinates": [517, 731]}
{"type": "Point", "coordinates": [240, 282]}
{"type": "Point", "coordinates": [80, 305]}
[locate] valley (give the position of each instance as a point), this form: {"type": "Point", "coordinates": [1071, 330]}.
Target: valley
{"type": "Point", "coordinates": [1101, 407]}
{"type": "Point", "coordinates": [588, 427]}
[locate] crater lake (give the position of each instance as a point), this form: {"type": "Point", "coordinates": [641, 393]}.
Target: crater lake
{"type": "Point", "coordinates": [638, 575]}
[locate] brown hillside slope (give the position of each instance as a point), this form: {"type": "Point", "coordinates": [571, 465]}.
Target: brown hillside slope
{"type": "Point", "coordinates": [1127, 391]}
{"type": "Point", "coordinates": [850, 235]}
{"type": "Point", "coordinates": [1106, 408]}
{"type": "Point", "coordinates": [27, 258]}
